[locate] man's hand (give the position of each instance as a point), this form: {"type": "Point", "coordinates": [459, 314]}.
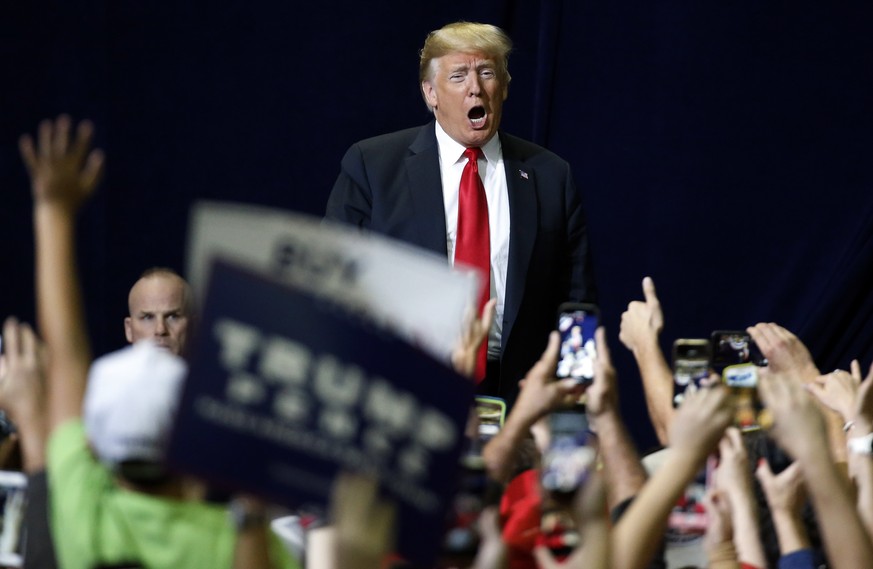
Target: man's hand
{"type": "Point", "coordinates": [540, 392]}
{"type": "Point", "coordinates": [838, 390]}
{"type": "Point", "coordinates": [475, 332]}
{"type": "Point", "coordinates": [365, 528]}
{"type": "Point", "coordinates": [63, 171]}
{"type": "Point", "coordinates": [734, 477]}
{"type": "Point", "coordinates": [719, 528]}
{"type": "Point", "coordinates": [701, 420]}
{"type": "Point", "coordinates": [798, 425]}
{"type": "Point", "coordinates": [863, 409]}
{"type": "Point", "coordinates": [784, 351]}
{"type": "Point", "coordinates": [22, 389]}
{"type": "Point", "coordinates": [784, 491]}
{"type": "Point", "coordinates": [602, 396]}
{"type": "Point", "coordinates": [642, 322]}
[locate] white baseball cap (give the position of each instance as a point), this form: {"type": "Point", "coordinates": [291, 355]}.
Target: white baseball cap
{"type": "Point", "coordinates": [131, 401]}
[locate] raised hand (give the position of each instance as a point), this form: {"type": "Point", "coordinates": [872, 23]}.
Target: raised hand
{"type": "Point", "coordinates": [838, 390]}
{"type": "Point", "coordinates": [798, 425]}
{"type": "Point", "coordinates": [22, 386]}
{"type": "Point", "coordinates": [643, 321]}
{"type": "Point", "coordinates": [475, 332]}
{"type": "Point", "coordinates": [701, 421]}
{"type": "Point", "coordinates": [784, 351]}
{"type": "Point", "coordinates": [63, 169]}
{"type": "Point", "coordinates": [23, 390]}
{"type": "Point", "coordinates": [365, 523]}
{"type": "Point", "coordinates": [540, 392]}
{"type": "Point", "coordinates": [602, 396]}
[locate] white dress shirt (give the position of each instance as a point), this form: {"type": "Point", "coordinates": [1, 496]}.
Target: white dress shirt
{"type": "Point", "coordinates": [493, 174]}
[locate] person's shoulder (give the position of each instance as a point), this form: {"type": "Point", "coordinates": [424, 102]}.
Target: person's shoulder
{"type": "Point", "coordinates": [520, 149]}
{"type": "Point", "coordinates": [399, 138]}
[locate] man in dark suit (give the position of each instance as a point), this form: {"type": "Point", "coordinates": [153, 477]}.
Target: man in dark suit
{"type": "Point", "coordinates": [406, 185]}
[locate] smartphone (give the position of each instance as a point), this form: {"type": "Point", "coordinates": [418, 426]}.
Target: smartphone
{"type": "Point", "coordinates": [734, 347]}
{"type": "Point", "coordinates": [691, 364]}
{"type": "Point", "coordinates": [737, 358]}
{"type": "Point", "coordinates": [569, 457]}
{"type": "Point", "coordinates": [490, 412]}
{"type": "Point", "coordinates": [577, 323]}
{"type": "Point", "coordinates": [13, 495]}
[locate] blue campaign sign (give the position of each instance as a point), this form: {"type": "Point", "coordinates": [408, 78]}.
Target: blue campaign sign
{"type": "Point", "coordinates": [285, 390]}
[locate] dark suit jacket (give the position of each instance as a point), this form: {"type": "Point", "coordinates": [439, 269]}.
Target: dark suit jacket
{"type": "Point", "coordinates": [391, 184]}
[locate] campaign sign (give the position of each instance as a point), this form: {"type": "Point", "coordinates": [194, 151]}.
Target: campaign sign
{"type": "Point", "coordinates": [412, 291]}
{"type": "Point", "coordinates": [286, 389]}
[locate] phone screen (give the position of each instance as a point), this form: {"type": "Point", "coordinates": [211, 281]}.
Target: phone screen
{"type": "Point", "coordinates": [577, 324]}
{"type": "Point", "coordinates": [491, 412]}
{"type": "Point", "coordinates": [691, 364]}
{"type": "Point", "coordinates": [731, 347]}
{"type": "Point", "coordinates": [737, 358]}
{"type": "Point", "coordinates": [569, 458]}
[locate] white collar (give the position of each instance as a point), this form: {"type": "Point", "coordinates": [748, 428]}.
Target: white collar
{"type": "Point", "coordinates": [451, 151]}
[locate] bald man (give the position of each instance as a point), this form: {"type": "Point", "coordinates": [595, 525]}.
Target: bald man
{"type": "Point", "coordinates": [160, 308]}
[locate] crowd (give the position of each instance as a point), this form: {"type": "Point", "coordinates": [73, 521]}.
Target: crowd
{"type": "Point", "coordinates": [90, 433]}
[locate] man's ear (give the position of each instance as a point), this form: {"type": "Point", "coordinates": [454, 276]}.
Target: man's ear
{"type": "Point", "coordinates": [128, 330]}
{"type": "Point", "coordinates": [429, 93]}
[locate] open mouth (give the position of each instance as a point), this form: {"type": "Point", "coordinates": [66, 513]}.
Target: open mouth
{"type": "Point", "coordinates": [477, 116]}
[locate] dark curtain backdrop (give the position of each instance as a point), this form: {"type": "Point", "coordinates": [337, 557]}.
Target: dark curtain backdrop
{"type": "Point", "coordinates": [722, 148]}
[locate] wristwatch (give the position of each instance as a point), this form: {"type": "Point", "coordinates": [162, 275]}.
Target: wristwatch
{"type": "Point", "coordinates": [861, 445]}
{"type": "Point", "coordinates": [243, 517]}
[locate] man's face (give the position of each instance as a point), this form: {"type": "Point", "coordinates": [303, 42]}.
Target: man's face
{"type": "Point", "coordinates": [467, 96]}
{"type": "Point", "coordinates": [158, 310]}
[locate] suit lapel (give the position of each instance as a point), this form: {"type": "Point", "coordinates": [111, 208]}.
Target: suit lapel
{"type": "Point", "coordinates": [426, 190]}
{"type": "Point", "coordinates": [523, 215]}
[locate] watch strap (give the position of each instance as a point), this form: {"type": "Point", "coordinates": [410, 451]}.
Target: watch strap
{"type": "Point", "coordinates": [861, 445]}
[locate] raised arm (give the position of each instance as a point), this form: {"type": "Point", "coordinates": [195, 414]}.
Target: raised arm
{"type": "Point", "coordinates": [787, 354]}
{"type": "Point", "coordinates": [786, 498]}
{"type": "Point", "coordinates": [625, 474]}
{"type": "Point", "coordinates": [540, 394]}
{"type": "Point", "coordinates": [22, 391]}
{"type": "Point", "coordinates": [861, 461]}
{"type": "Point", "coordinates": [63, 173]}
{"type": "Point", "coordinates": [798, 427]}
{"type": "Point", "coordinates": [641, 326]}
{"type": "Point", "coordinates": [696, 429]}
{"type": "Point", "coordinates": [733, 478]}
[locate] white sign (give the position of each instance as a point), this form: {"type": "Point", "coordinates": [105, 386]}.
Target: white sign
{"type": "Point", "coordinates": [410, 291]}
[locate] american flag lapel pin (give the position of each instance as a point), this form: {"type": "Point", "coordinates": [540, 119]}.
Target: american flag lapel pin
{"type": "Point", "coordinates": [523, 174]}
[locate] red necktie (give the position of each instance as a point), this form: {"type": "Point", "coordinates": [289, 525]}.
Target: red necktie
{"type": "Point", "coordinates": [473, 245]}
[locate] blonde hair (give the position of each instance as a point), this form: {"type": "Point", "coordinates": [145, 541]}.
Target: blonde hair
{"type": "Point", "coordinates": [466, 37]}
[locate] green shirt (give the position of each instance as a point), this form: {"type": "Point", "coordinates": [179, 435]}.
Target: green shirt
{"type": "Point", "coordinates": [94, 521]}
